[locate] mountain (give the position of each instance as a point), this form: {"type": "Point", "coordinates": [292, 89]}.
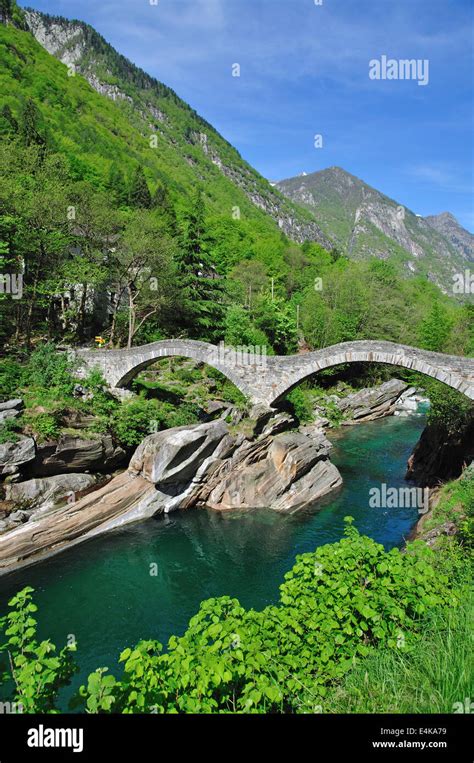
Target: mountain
{"type": "Point", "coordinates": [364, 222]}
{"type": "Point", "coordinates": [188, 150]}
{"type": "Point", "coordinates": [446, 224]}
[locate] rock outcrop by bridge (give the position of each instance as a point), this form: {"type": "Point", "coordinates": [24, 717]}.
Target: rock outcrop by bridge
{"type": "Point", "coordinates": [266, 379]}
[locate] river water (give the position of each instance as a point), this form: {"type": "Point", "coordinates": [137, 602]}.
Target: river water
{"type": "Point", "coordinates": [103, 594]}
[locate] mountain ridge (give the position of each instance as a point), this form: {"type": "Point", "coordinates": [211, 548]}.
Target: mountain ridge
{"type": "Point", "coordinates": [364, 221]}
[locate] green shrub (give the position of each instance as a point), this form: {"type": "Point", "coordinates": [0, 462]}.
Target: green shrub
{"type": "Point", "coordinates": [301, 404]}
{"type": "Point", "coordinates": [133, 421]}
{"type": "Point", "coordinates": [138, 418]}
{"type": "Point", "coordinates": [44, 425]}
{"type": "Point", "coordinates": [188, 375]}
{"type": "Point", "coordinates": [9, 431]}
{"type": "Point", "coordinates": [49, 368]}
{"type": "Point", "coordinates": [102, 402]}
{"type": "Point", "coordinates": [11, 374]}
{"type": "Point", "coordinates": [431, 678]}
{"type": "Point", "coordinates": [36, 669]}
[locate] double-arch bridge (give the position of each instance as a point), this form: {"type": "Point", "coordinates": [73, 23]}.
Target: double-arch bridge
{"type": "Point", "coordinates": [266, 379]}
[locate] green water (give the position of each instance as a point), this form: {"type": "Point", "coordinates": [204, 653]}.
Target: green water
{"type": "Point", "coordinates": [102, 591]}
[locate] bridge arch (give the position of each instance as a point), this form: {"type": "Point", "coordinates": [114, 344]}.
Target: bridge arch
{"type": "Point", "coordinates": [456, 372]}
{"type": "Point", "coordinates": [267, 379]}
{"type": "Point", "coordinates": [120, 367]}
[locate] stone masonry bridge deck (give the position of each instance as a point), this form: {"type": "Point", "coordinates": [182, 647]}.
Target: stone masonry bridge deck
{"type": "Point", "coordinates": [267, 379]}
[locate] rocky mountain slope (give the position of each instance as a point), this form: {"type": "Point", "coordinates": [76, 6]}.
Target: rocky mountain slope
{"type": "Point", "coordinates": [365, 222]}
{"type": "Point", "coordinates": [446, 224]}
{"type": "Point", "coordinates": [183, 137]}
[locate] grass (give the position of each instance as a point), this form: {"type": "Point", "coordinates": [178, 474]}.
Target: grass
{"type": "Point", "coordinates": [432, 678]}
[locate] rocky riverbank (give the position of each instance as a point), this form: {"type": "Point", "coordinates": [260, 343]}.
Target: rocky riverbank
{"type": "Point", "coordinates": [233, 462]}
{"type": "Point", "coordinates": [441, 454]}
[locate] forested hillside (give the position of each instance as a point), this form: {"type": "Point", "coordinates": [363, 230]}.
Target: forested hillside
{"type": "Point", "coordinates": [127, 229]}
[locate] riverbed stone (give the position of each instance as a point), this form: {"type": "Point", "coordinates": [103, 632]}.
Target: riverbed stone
{"type": "Point", "coordinates": [284, 473]}
{"type": "Point", "coordinates": [8, 405]}
{"type": "Point", "coordinates": [75, 454]}
{"type": "Point", "coordinates": [45, 492]}
{"type": "Point", "coordinates": [372, 403]}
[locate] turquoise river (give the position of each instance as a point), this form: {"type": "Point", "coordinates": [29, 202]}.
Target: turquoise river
{"type": "Point", "coordinates": [103, 594]}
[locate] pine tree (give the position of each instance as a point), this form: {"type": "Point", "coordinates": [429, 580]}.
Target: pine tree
{"type": "Point", "coordinates": [8, 123]}
{"type": "Point", "coordinates": [117, 186]}
{"type": "Point", "coordinates": [162, 203]}
{"type": "Point", "coordinates": [202, 309]}
{"type": "Point", "coordinates": [30, 118]}
{"type": "Point", "coordinates": [139, 194]}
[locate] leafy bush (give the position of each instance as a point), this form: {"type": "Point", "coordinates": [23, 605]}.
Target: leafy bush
{"type": "Point", "coordinates": [49, 368]}
{"type": "Point", "coordinates": [138, 418]}
{"type": "Point", "coordinates": [177, 416]}
{"type": "Point", "coordinates": [102, 402]}
{"type": "Point", "coordinates": [188, 375]}
{"type": "Point", "coordinates": [37, 671]}
{"type": "Point", "coordinates": [301, 404]}
{"type": "Point", "coordinates": [133, 421]}
{"type": "Point", "coordinates": [10, 378]}
{"type": "Point", "coordinates": [44, 425]}
{"type": "Point", "coordinates": [431, 678]}
{"type": "Point", "coordinates": [9, 431]}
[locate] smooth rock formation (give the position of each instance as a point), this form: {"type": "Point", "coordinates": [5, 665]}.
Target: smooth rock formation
{"type": "Point", "coordinates": [11, 413]}
{"type": "Point", "coordinates": [283, 473]}
{"type": "Point", "coordinates": [11, 404]}
{"type": "Point", "coordinates": [45, 492]}
{"type": "Point", "coordinates": [75, 522]}
{"type": "Point", "coordinates": [202, 465]}
{"type": "Point", "coordinates": [373, 403]}
{"type": "Point", "coordinates": [174, 455]}
{"type": "Point", "coordinates": [74, 454]}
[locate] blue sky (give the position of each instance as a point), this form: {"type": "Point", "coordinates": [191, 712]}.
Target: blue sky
{"type": "Point", "coordinates": [304, 71]}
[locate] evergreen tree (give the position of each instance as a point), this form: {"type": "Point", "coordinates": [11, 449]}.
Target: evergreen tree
{"type": "Point", "coordinates": [8, 123]}
{"type": "Point", "coordinates": [117, 186]}
{"type": "Point", "coordinates": [139, 194]}
{"type": "Point", "coordinates": [29, 125]}
{"type": "Point", "coordinates": [162, 203]}
{"type": "Point", "coordinates": [201, 289]}
{"type": "Point", "coordinates": [435, 329]}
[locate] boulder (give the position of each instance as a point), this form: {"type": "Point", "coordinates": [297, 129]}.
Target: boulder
{"type": "Point", "coordinates": [11, 413]}
{"type": "Point", "coordinates": [14, 455]}
{"type": "Point", "coordinates": [286, 472]}
{"type": "Point", "coordinates": [408, 402]}
{"type": "Point", "coordinates": [12, 404]}
{"type": "Point", "coordinates": [75, 454]}
{"type": "Point", "coordinates": [373, 403]}
{"type": "Point", "coordinates": [46, 492]}
{"type": "Point", "coordinates": [173, 456]}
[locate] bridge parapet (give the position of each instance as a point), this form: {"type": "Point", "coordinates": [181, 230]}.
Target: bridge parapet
{"type": "Point", "coordinates": [267, 379]}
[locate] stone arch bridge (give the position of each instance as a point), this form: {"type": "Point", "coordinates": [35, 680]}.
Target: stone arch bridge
{"type": "Point", "coordinates": [267, 379]}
